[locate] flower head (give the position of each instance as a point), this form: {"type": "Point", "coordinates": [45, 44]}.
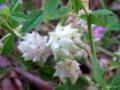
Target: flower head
{"type": "Point", "coordinates": [76, 22]}
{"type": "Point", "coordinates": [68, 68]}
{"type": "Point", "coordinates": [63, 41]}
{"type": "Point", "coordinates": [98, 32]}
{"type": "Point", "coordinates": [33, 47]}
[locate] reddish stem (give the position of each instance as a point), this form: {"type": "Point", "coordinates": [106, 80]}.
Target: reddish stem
{"type": "Point", "coordinates": [36, 81]}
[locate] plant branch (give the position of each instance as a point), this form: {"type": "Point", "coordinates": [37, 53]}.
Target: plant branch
{"type": "Point", "coordinates": [91, 36]}
{"type": "Point", "coordinates": [6, 26]}
{"type": "Point", "coordinates": [36, 81]}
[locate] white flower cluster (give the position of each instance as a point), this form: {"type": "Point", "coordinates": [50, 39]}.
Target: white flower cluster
{"type": "Point", "coordinates": [67, 68]}
{"type": "Point", "coordinates": [33, 47]}
{"type": "Point", "coordinates": [63, 43]}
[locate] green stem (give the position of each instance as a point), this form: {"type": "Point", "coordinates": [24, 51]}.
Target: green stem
{"type": "Point", "coordinates": [5, 37]}
{"type": "Point", "coordinates": [115, 39]}
{"type": "Point", "coordinates": [107, 52]}
{"type": "Point", "coordinates": [89, 81]}
{"type": "Point", "coordinates": [93, 56]}
{"type": "Point", "coordinates": [15, 6]}
{"type": "Point", "coordinates": [6, 26]}
{"type": "Point", "coordinates": [91, 36]}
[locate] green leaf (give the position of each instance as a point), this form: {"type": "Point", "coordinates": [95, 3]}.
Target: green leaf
{"type": "Point", "coordinates": [101, 12]}
{"type": "Point", "coordinates": [116, 80]}
{"type": "Point", "coordinates": [50, 6]}
{"type": "Point", "coordinates": [2, 1]}
{"type": "Point", "coordinates": [15, 5]}
{"type": "Point", "coordinates": [79, 85]}
{"type": "Point", "coordinates": [98, 21]}
{"type": "Point", "coordinates": [97, 73]}
{"type": "Point", "coordinates": [18, 16]}
{"type": "Point", "coordinates": [37, 17]}
{"type": "Point", "coordinates": [115, 83]}
{"type": "Point", "coordinates": [113, 26]}
{"type": "Point", "coordinates": [77, 5]}
{"type": "Point", "coordinates": [59, 88]}
{"type": "Point", "coordinates": [112, 18]}
{"type": "Point", "coordinates": [8, 45]}
{"type": "Point", "coordinates": [95, 20]}
{"type": "Point", "coordinates": [12, 23]}
{"type": "Point", "coordinates": [53, 10]}
{"type": "Point", "coordinates": [46, 72]}
{"type": "Point", "coordinates": [115, 64]}
{"type": "Point", "coordinates": [68, 84]}
{"type": "Point", "coordinates": [81, 82]}
{"type": "Point", "coordinates": [7, 27]}
{"type": "Point", "coordinates": [60, 12]}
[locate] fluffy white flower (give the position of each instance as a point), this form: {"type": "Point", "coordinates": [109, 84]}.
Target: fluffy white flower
{"type": "Point", "coordinates": [68, 68]}
{"type": "Point", "coordinates": [33, 47]}
{"type": "Point", "coordinates": [63, 41]}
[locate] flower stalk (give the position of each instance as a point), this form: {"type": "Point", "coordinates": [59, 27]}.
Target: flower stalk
{"type": "Point", "coordinates": [91, 36]}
